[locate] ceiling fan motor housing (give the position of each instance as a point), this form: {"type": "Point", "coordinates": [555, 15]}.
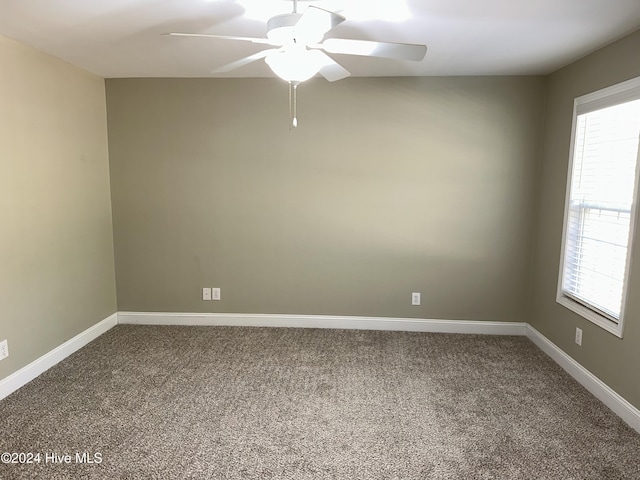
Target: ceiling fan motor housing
{"type": "Point", "coordinates": [281, 29]}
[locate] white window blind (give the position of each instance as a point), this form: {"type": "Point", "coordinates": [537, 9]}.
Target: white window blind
{"type": "Point", "coordinates": [600, 207]}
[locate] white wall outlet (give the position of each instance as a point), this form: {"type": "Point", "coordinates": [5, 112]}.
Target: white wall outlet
{"type": "Point", "coordinates": [206, 293]}
{"type": "Point", "coordinates": [215, 294]}
{"type": "Point", "coordinates": [579, 336]}
{"type": "Point", "coordinates": [415, 298]}
{"type": "Point", "coordinates": [4, 349]}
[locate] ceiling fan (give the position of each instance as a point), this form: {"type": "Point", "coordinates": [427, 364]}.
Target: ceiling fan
{"type": "Point", "coordinates": [300, 46]}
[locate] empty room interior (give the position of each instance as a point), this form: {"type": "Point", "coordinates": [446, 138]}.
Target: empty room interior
{"type": "Point", "coordinates": [333, 239]}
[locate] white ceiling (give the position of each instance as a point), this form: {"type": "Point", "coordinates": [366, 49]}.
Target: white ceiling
{"type": "Point", "coordinates": [121, 38]}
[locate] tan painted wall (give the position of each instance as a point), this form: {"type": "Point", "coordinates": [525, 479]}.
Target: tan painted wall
{"type": "Point", "coordinates": [388, 186]}
{"type": "Point", "coordinates": [56, 241]}
{"type": "Point", "coordinates": [613, 360]}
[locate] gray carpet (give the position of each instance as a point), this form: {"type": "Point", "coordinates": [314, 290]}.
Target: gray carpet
{"type": "Point", "coordinates": [257, 403]}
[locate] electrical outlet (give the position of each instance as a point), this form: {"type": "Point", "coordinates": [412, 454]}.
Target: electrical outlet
{"type": "Point", "coordinates": [206, 293]}
{"type": "Point", "coordinates": [215, 294]}
{"type": "Point", "coordinates": [4, 349]}
{"type": "Point", "coordinates": [579, 336]}
{"type": "Point", "coordinates": [415, 298]}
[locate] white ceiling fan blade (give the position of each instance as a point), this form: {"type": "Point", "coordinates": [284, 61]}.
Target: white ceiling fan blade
{"type": "Point", "coordinates": [243, 61]}
{"type": "Point", "coordinates": [332, 70]}
{"type": "Point", "coordinates": [315, 22]}
{"type": "Point", "coordinates": [264, 41]}
{"type": "Point", "coordinates": [399, 51]}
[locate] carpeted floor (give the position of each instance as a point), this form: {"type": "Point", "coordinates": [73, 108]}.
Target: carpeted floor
{"type": "Point", "coordinates": [150, 402]}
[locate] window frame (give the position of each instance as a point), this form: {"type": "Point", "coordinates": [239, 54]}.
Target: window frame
{"type": "Point", "coordinates": [614, 95]}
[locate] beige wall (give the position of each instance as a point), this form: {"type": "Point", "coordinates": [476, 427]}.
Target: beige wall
{"type": "Point", "coordinates": [613, 360]}
{"type": "Point", "coordinates": [388, 186]}
{"type": "Point", "coordinates": [56, 244]}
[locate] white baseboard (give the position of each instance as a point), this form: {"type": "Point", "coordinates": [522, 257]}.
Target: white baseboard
{"type": "Point", "coordinates": [323, 321]}
{"type": "Point", "coordinates": [604, 393]}
{"type": "Point", "coordinates": [23, 376]}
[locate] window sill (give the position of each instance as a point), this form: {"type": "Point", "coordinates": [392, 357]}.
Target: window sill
{"type": "Point", "coordinates": [602, 322]}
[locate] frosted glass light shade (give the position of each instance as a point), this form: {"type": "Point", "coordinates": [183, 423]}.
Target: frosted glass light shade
{"type": "Point", "coordinates": [295, 65]}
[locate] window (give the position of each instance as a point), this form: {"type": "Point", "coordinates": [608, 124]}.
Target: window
{"type": "Point", "coordinates": [600, 204]}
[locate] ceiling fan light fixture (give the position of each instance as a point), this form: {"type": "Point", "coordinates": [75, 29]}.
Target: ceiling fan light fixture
{"type": "Point", "coordinates": [299, 46]}
{"type": "Point", "coordinates": [295, 65]}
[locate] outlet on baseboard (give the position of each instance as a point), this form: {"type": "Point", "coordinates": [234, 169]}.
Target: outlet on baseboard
{"type": "Point", "coordinates": [579, 336]}
{"type": "Point", "coordinates": [215, 294]}
{"type": "Point", "coordinates": [4, 349]}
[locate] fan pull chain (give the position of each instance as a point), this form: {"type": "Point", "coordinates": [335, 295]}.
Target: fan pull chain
{"type": "Point", "coordinates": [290, 105]}
{"type": "Point", "coordinates": [293, 107]}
